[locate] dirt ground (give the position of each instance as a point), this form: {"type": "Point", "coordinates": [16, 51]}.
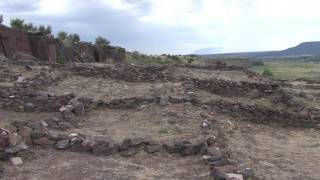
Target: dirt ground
{"type": "Point", "coordinates": [274, 152]}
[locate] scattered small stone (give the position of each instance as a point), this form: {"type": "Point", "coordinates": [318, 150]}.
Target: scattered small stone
{"type": "Point", "coordinates": [153, 148]}
{"type": "Point", "coordinates": [27, 154]}
{"type": "Point", "coordinates": [248, 173]}
{"type": "Point", "coordinates": [28, 67]}
{"type": "Point", "coordinates": [14, 139]}
{"type": "Point", "coordinates": [102, 147]}
{"type": "Point", "coordinates": [211, 140]}
{"type": "Point", "coordinates": [16, 161]}
{"type": "Point", "coordinates": [137, 141]}
{"type": "Point", "coordinates": [205, 124]}
{"type": "Point", "coordinates": [44, 124]}
{"type": "Point", "coordinates": [4, 142]}
{"type": "Point", "coordinates": [44, 141]}
{"type": "Point", "coordinates": [217, 174]}
{"type": "Point", "coordinates": [190, 149]}
{"type": "Point", "coordinates": [72, 135]}
{"type": "Point", "coordinates": [17, 148]}
{"type": "Point", "coordinates": [25, 133]}
{"type": "Point", "coordinates": [129, 152]}
{"type": "Point", "coordinates": [29, 107]}
{"type": "Point", "coordinates": [164, 100]}
{"type": "Point", "coordinates": [38, 133]}
{"type": "Point", "coordinates": [53, 135]}
{"type": "Point", "coordinates": [62, 144]}
{"type": "Point", "coordinates": [230, 176]}
{"type": "Point", "coordinates": [20, 79]}
{"type": "Point", "coordinates": [4, 131]}
{"type": "Point", "coordinates": [64, 126]}
{"type": "Point", "coordinates": [215, 157]}
{"type": "Point", "coordinates": [10, 128]}
{"type": "Point", "coordinates": [171, 147]}
{"type": "Point", "coordinates": [85, 146]}
{"type": "Point", "coordinates": [19, 124]}
{"type": "Point", "coordinates": [4, 156]}
{"type": "Point", "coordinates": [214, 151]}
{"type": "Point", "coordinates": [1, 172]}
{"type": "Point", "coordinates": [125, 145]}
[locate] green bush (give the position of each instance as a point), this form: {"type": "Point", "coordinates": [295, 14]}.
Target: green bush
{"type": "Point", "coordinates": [100, 41]}
{"type": "Point", "coordinates": [62, 35]}
{"type": "Point", "coordinates": [29, 27]}
{"type": "Point", "coordinates": [17, 23]}
{"type": "Point", "coordinates": [74, 38]}
{"type": "Point", "coordinates": [267, 73]}
{"type": "Point", "coordinates": [257, 63]}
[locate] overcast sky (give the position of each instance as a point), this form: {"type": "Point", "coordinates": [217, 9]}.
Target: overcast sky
{"type": "Point", "coordinates": [178, 26]}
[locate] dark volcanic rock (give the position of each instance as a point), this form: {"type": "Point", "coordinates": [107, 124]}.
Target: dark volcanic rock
{"type": "Point", "coordinates": [38, 133]}
{"type": "Point", "coordinates": [102, 147]}
{"type": "Point", "coordinates": [153, 148]}
{"type": "Point", "coordinates": [129, 152]}
{"type": "Point", "coordinates": [62, 144]}
{"type": "Point", "coordinates": [125, 145]}
{"type": "Point", "coordinates": [44, 141]}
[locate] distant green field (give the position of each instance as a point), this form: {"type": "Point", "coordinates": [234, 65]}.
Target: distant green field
{"type": "Point", "coordinates": [291, 70]}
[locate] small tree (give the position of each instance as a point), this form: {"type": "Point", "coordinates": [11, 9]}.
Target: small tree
{"type": "Point", "coordinates": [267, 73]}
{"type": "Point", "coordinates": [62, 35]}
{"type": "Point", "coordinates": [45, 29]}
{"type": "Point", "coordinates": [29, 27]}
{"type": "Point", "coordinates": [74, 38]}
{"type": "Point", "coordinates": [17, 24]}
{"type": "Point", "coordinates": [48, 30]}
{"type": "Point", "coordinates": [42, 28]}
{"type": "Point", "coordinates": [191, 60]}
{"type": "Point", "coordinates": [100, 41]}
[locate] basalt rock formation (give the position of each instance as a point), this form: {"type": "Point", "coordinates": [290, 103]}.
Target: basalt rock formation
{"type": "Point", "coordinates": [47, 48]}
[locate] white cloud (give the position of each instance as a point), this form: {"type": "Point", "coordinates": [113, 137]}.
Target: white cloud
{"type": "Point", "coordinates": [181, 26]}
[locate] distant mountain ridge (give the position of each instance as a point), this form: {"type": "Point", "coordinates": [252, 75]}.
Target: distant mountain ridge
{"type": "Point", "coordinates": [303, 49]}
{"type": "Point", "coordinates": [210, 50]}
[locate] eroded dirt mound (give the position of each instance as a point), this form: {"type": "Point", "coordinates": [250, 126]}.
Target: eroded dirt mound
{"type": "Point", "coordinates": [99, 121]}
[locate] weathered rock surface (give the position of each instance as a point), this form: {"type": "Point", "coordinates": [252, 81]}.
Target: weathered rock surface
{"type": "Point", "coordinates": [16, 161]}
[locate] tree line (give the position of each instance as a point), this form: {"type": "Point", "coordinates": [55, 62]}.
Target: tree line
{"type": "Point", "coordinates": [20, 24]}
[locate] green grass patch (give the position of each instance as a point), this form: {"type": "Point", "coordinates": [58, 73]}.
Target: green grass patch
{"type": "Point", "coordinates": [291, 70]}
{"type": "Point", "coordinates": [163, 131]}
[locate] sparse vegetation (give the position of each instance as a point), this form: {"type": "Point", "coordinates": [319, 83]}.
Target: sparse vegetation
{"type": "Point", "coordinates": [267, 73]}
{"type": "Point", "coordinates": [62, 35]}
{"type": "Point", "coordinates": [139, 58]}
{"type": "Point", "coordinates": [100, 41]}
{"type": "Point", "coordinates": [291, 69]}
{"type": "Point", "coordinates": [68, 39]}
{"type": "Point", "coordinates": [163, 131]}
{"type": "Point", "coordinates": [74, 38]}
{"type": "Point", "coordinates": [29, 27]}
{"type": "Point", "coordinates": [257, 63]}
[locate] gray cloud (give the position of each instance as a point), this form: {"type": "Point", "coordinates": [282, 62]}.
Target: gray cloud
{"type": "Point", "coordinates": [120, 27]}
{"type": "Point", "coordinates": [169, 26]}
{"type": "Point", "coordinates": [11, 6]}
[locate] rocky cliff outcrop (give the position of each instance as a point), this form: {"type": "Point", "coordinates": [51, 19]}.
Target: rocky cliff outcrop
{"type": "Point", "coordinates": [87, 52]}
{"type": "Point", "coordinates": [13, 41]}
{"type": "Point", "coordinates": [47, 48]}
